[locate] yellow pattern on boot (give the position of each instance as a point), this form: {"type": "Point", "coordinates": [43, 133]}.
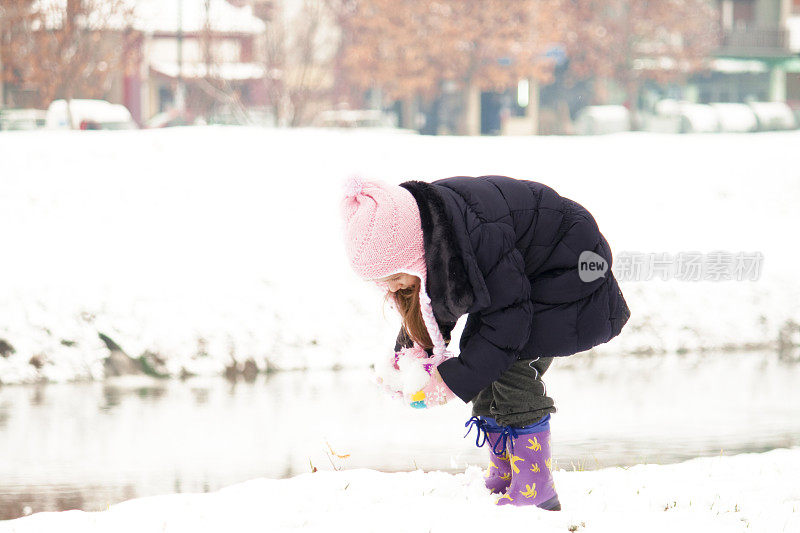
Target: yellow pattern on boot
{"type": "Point", "coordinates": [549, 463]}
{"type": "Point", "coordinates": [535, 467]}
{"type": "Point", "coordinates": [513, 459]}
{"type": "Point", "coordinates": [489, 470]}
{"type": "Point", "coordinates": [535, 446]}
{"type": "Point", "coordinates": [505, 496]}
{"type": "Point", "coordinates": [530, 491]}
{"type": "Point", "coordinates": [504, 457]}
{"type": "Point", "coordinates": [506, 477]}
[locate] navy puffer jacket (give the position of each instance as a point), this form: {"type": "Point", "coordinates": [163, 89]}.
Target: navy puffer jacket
{"type": "Point", "coordinates": [506, 252]}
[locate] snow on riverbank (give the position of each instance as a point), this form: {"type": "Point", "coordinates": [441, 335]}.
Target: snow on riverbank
{"type": "Point", "coordinates": [748, 492]}
{"type": "Point", "coordinates": [207, 245]}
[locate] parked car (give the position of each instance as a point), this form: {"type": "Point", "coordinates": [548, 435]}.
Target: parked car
{"type": "Point", "coordinates": [734, 117]}
{"type": "Point", "coordinates": [167, 119]}
{"type": "Point", "coordinates": [355, 118]}
{"type": "Point", "coordinates": [22, 119]}
{"type": "Point", "coordinates": [89, 115]}
{"type": "Point", "coordinates": [773, 116]}
{"type": "Point", "coordinates": [680, 116]}
{"type": "Point", "coordinates": [698, 118]}
{"type": "Point", "coordinates": [234, 116]}
{"type": "Point", "coordinates": [598, 119]}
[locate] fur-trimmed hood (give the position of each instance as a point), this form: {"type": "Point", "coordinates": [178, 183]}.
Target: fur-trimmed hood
{"type": "Point", "coordinates": [448, 283]}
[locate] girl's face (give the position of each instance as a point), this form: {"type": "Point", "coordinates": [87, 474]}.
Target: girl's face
{"type": "Point", "coordinates": [395, 282]}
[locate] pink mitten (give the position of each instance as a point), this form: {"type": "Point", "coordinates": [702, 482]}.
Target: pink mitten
{"type": "Point", "coordinates": [435, 392]}
{"type": "Point", "coordinates": [411, 374]}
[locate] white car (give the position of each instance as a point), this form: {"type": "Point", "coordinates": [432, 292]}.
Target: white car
{"type": "Point", "coordinates": [680, 116]}
{"type": "Point", "coordinates": [599, 119]}
{"type": "Point", "coordinates": [88, 115]}
{"type": "Point", "coordinates": [734, 117]}
{"type": "Point", "coordinates": [355, 118]}
{"type": "Point", "coordinates": [773, 116]}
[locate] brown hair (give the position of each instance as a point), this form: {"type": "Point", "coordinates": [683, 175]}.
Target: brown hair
{"type": "Point", "coordinates": [407, 303]}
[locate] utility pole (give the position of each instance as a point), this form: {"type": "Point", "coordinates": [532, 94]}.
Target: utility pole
{"type": "Point", "coordinates": [2, 70]}
{"type": "Point", "coordinates": [3, 14]}
{"type": "Point", "coordinates": [180, 92]}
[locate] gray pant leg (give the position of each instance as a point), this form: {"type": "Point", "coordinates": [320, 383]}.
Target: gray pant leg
{"type": "Point", "coordinates": [482, 403]}
{"type": "Point", "coordinates": [519, 396]}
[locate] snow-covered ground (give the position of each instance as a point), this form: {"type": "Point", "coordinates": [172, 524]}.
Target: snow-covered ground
{"type": "Point", "coordinates": [207, 245]}
{"type": "Point", "coordinates": [747, 493]}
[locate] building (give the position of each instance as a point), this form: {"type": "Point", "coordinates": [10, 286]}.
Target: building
{"type": "Point", "coordinates": [217, 58]}
{"type": "Point", "coordinates": [759, 56]}
{"type": "Point", "coordinates": [196, 55]}
{"type": "Point", "coordinates": [201, 57]}
{"type": "Point", "coordinates": [793, 69]}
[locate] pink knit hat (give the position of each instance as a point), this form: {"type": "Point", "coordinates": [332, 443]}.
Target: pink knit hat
{"type": "Point", "coordinates": [383, 236]}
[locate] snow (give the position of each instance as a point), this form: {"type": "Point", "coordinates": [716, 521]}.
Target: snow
{"type": "Point", "coordinates": [225, 71]}
{"type": "Point", "coordinates": [209, 245]}
{"type": "Point", "coordinates": [155, 16]}
{"type": "Point", "coordinates": [161, 16]}
{"type": "Point", "coordinates": [215, 244]}
{"type": "Point", "coordinates": [747, 492]}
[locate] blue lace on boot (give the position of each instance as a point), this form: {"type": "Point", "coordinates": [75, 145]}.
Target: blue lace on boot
{"type": "Point", "coordinates": [480, 425]}
{"type": "Point", "coordinates": [485, 424]}
{"type": "Point", "coordinates": [509, 434]}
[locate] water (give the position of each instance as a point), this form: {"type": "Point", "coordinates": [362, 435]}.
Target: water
{"type": "Point", "coordinates": [87, 446]}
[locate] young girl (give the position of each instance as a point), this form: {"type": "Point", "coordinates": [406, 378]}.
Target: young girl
{"type": "Point", "coordinates": [532, 272]}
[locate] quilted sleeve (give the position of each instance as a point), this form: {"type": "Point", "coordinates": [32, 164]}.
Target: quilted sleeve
{"type": "Point", "coordinates": [498, 332]}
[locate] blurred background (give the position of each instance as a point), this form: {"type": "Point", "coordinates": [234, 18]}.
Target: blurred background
{"type": "Point", "coordinates": [176, 310]}
{"type": "Point", "coordinates": [467, 68]}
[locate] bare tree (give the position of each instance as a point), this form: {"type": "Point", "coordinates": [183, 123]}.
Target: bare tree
{"type": "Point", "coordinates": [299, 53]}
{"type": "Point", "coordinates": [16, 41]}
{"type": "Point", "coordinates": [67, 49]}
{"type": "Point", "coordinates": [214, 91]}
{"type": "Point", "coordinates": [408, 47]}
{"type": "Point", "coordinates": [632, 41]}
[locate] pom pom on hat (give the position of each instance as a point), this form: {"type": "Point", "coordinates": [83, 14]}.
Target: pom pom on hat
{"type": "Point", "coordinates": [353, 187]}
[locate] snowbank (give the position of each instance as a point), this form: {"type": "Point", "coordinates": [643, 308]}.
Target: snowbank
{"type": "Point", "coordinates": [749, 492]}
{"type": "Point", "coordinates": [214, 246]}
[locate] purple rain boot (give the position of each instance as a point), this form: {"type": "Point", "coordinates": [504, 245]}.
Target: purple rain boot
{"type": "Point", "coordinates": [498, 474]}
{"type": "Point", "coordinates": [528, 451]}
